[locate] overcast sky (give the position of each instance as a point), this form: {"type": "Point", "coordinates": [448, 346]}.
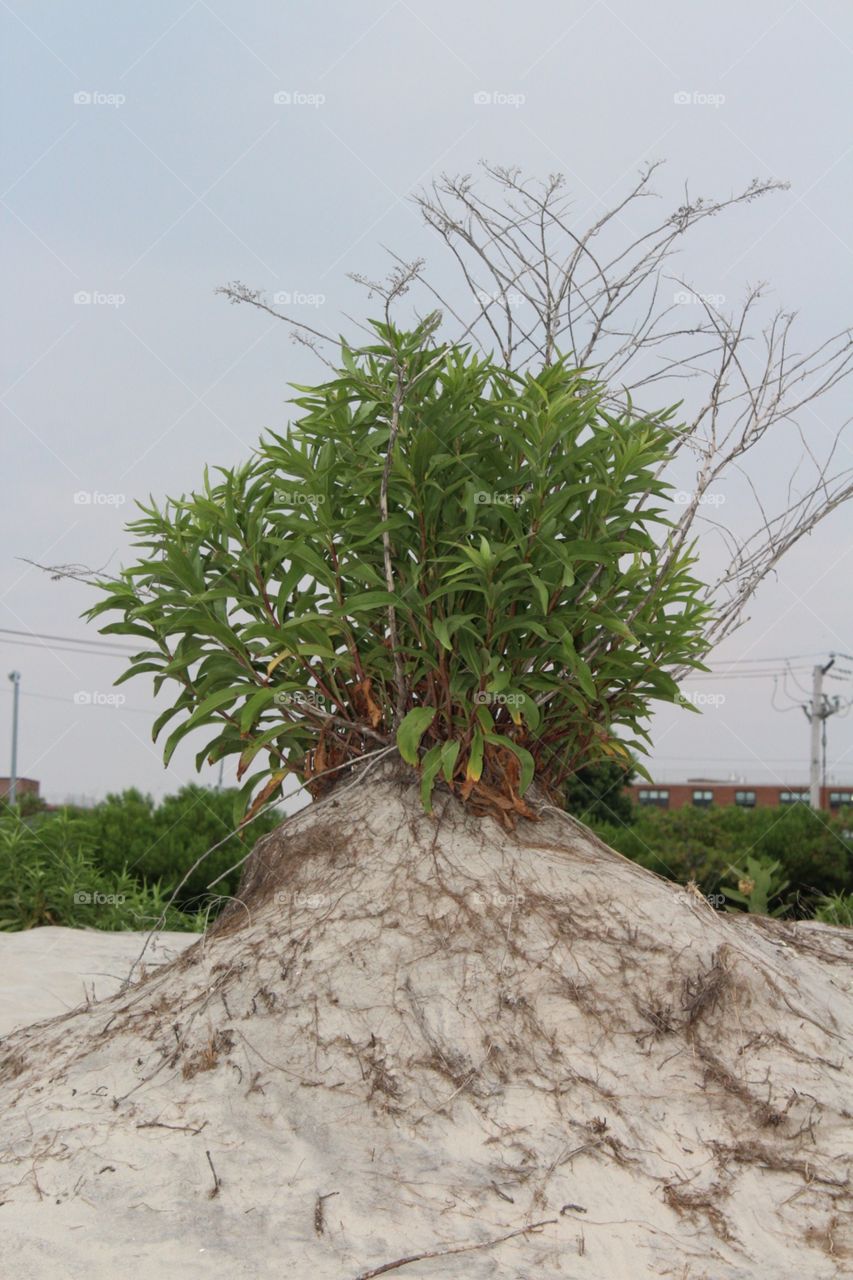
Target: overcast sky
{"type": "Point", "coordinates": [146, 161]}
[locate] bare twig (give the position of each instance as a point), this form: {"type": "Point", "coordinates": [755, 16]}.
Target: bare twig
{"type": "Point", "coordinates": [217, 1181]}
{"type": "Point", "coordinates": [455, 1248]}
{"type": "Point", "coordinates": [158, 1124]}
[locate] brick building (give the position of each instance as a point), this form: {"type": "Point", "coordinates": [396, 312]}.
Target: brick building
{"type": "Point", "coordinates": [704, 793]}
{"type": "Point", "coordinates": [23, 786]}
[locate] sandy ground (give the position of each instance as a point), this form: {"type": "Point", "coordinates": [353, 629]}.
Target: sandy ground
{"type": "Point", "coordinates": [45, 972]}
{"type": "Point", "coordinates": [434, 1049]}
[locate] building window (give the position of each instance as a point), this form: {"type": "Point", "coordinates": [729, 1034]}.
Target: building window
{"type": "Point", "coordinates": [793, 797]}
{"type": "Point", "coordinates": [839, 798]}
{"type": "Point", "coordinates": [653, 795]}
{"type": "Point", "coordinates": [745, 798]}
{"type": "Point", "coordinates": [703, 799]}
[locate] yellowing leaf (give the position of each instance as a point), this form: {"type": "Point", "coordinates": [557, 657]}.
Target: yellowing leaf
{"type": "Point", "coordinates": [285, 653]}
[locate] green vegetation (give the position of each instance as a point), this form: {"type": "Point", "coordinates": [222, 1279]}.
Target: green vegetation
{"type": "Point", "coordinates": [469, 565]}
{"type": "Point", "coordinates": [440, 553]}
{"type": "Point", "coordinates": [835, 908]}
{"type": "Point", "coordinates": [161, 842]}
{"type": "Point", "coordinates": [117, 865]}
{"type": "Point", "coordinates": [758, 885]}
{"type": "Point", "coordinates": [49, 876]}
{"type": "Point", "coordinates": [811, 850]}
{"type": "Point", "coordinates": [597, 794]}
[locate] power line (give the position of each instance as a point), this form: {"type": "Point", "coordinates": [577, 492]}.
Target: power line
{"type": "Point", "coordinates": [742, 675]}
{"type": "Point", "coordinates": [786, 657]}
{"type": "Point", "coordinates": [38, 635]}
{"type": "Point", "coordinates": [758, 763]}
{"type": "Point", "coordinates": [58, 648]}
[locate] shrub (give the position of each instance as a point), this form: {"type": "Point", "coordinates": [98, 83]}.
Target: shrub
{"type": "Point", "coordinates": [597, 793]}
{"type": "Point", "coordinates": [49, 876]}
{"type": "Point", "coordinates": [812, 848]}
{"type": "Point", "coordinates": [161, 842]}
{"type": "Point", "coordinates": [441, 553]}
{"type": "Point", "coordinates": [700, 844]}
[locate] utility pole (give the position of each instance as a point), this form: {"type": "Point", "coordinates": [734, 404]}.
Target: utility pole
{"type": "Point", "coordinates": [818, 712]}
{"type": "Point", "coordinates": [15, 677]}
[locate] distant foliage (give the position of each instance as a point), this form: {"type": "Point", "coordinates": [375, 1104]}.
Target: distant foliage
{"type": "Point", "coordinates": [597, 793]}
{"type": "Point", "coordinates": [162, 841]}
{"type": "Point", "coordinates": [25, 805]}
{"type": "Point", "coordinates": [814, 851]}
{"type": "Point", "coordinates": [129, 855]}
{"type": "Point", "coordinates": [49, 876]}
{"type": "Point", "coordinates": [835, 908]}
{"type": "Point", "coordinates": [512, 617]}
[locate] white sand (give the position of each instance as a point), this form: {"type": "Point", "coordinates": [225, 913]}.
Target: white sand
{"type": "Point", "coordinates": [45, 972]}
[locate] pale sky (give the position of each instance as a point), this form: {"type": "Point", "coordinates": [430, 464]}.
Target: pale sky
{"type": "Point", "coordinates": [176, 170]}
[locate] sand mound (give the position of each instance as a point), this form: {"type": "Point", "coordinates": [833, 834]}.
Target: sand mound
{"type": "Point", "coordinates": [414, 1040]}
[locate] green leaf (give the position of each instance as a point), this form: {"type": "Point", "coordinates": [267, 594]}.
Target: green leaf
{"type": "Point", "coordinates": [449, 752]}
{"type": "Point", "coordinates": [542, 592]}
{"type": "Point", "coordinates": [475, 756]}
{"type": "Point", "coordinates": [485, 717]}
{"type": "Point", "coordinates": [578, 668]}
{"type": "Point", "coordinates": [163, 719]}
{"type": "Point", "coordinates": [430, 767]}
{"type": "Point", "coordinates": [411, 730]}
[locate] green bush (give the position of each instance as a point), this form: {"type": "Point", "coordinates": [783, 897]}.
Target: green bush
{"type": "Point", "coordinates": [597, 794]}
{"type": "Point", "coordinates": [811, 847]}
{"type": "Point", "coordinates": [161, 842]}
{"type": "Point", "coordinates": [129, 848]}
{"type": "Point", "coordinates": [701, 844]}
{"type": "Point", "coordinates": [440, 553]}
{"type": "Point", "coordinates": [49, 876]}
{"type": "Point", "coordinates": [835, 908]}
